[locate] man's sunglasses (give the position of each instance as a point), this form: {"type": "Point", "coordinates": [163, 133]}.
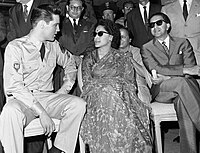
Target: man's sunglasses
{"type": "Point", "coordinates": [100, 33]}
{"type": "Point", "coordinates": [158, 23]}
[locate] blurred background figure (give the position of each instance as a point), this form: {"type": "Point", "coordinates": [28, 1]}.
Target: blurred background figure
{"type": "Point", "coordinates": [2, 38]}
{"type": "Point", "coordinates": [77, 33]}
{"type": "Point", "coordinates": [126, 6]}
{"type": "Point", "coordinates": [137, 22]}
{"type": "Point", "coordinates": [108, 10]}
{"type": "Point", "coordinates": [19, 17]}
{"type": "Point", "coordinates": [142, 75]}
{"type": "Point", "coordinates": [185, 22]}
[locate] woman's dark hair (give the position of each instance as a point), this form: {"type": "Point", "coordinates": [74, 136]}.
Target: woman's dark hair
{"type": "Point", "coordinates": [44, 12]}
{"type": "Point", "coordinates": [113, 30]}
{"type": "Point", "coordinates": [165, 18]}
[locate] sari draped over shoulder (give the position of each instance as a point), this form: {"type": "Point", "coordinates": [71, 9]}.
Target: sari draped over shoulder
{"type": "Point", "coordinates": [116, 120]}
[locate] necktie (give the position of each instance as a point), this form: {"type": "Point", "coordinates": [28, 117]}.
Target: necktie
{"type": "Point", "coordinates": [185, 11]}
{"type": "Point", "coordinates": [75, 25]}
{"type": "Point", "coordinates": [125, 22]}
{"type": "Point", "coordinates": [145, 16]}
{"type": "Point", "coordinates": [25, 12]}
{"type": "Point", "coordinates": [165, 47]}
{"type": "Point", "coordinates": [42, 51]}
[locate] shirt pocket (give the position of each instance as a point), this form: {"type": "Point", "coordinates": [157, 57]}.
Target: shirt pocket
{"type": "Point", "coordinates": [178, 59]}
{"type": "Point", "coordinates": [30, 66]}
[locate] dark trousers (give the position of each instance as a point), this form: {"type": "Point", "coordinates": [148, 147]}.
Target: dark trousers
{"type": "Point", "coordinates": [185, 94]}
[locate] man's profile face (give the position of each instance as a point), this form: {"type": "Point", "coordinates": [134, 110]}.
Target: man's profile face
{"type": "Point", "coordinates": [75, 9]}
{"type": "Point", "coordinates": [51, 28]}
{"type": "Point", "coordinates": [108, 14]}
{"type": "Point", "coordinates": [159, 27]}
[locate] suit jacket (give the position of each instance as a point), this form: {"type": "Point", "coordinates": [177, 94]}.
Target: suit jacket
{"type": "Point", "coordinates": [180, 55]}
{"type": "Point", "coordinates": [190, 28]}
{"type": "Point", "coordinates": [2, 27]}
{"type": "Point", "coordinates": [136, 26]}
{"type": "Point", "coordinates": [17, 25]}
{"type": "Point", "coordinates": [77, 42]}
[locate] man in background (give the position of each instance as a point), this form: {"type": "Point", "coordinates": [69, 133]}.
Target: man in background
{"type": "Point", "coordinates": [126, 6]}
{"type": "Point", "coordinates": [137, 22]}
{"type": "Point", "coordinates": [108, 10]}
{"type": "Point", "coordinates": [185, 21]}
{"type": "Point", "coordinates": [77, 33]}
{"type": "Point", "coordinates": [2, 38]}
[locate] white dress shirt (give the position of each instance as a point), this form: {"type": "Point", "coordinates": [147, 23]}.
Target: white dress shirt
{"type": "Point", "coordinates": [189, 3]}
{"type": "Point", "coordinates": [29, 4]}
{"type": "Point", "coordinates": [142, 10]}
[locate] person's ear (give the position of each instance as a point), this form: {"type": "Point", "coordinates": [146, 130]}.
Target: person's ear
{"type": "Point", "coordinates": [123, 11]}
{"type": "Point", "coordinates": [42, 24]}
{"type": "Point", "coordinates": [168, 26]}
{"type": "Point", "coordinates": [130, 40]}
{"type": "Point", "coordinates": [67, 8]}
{"type": "Point", "coordinates": [111, 38]}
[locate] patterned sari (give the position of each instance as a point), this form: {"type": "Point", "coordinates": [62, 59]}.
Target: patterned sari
{"type": "Point", "coordinates": [116, 120]}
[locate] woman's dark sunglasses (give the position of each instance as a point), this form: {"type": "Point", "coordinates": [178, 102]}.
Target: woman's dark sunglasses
{"type": "Point", "coordinates": [158, 23]}
{"type": "Point", "coordinates": [100, 33]}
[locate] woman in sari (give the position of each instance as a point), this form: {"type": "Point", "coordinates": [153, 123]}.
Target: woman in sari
{"type": "Point", "coordinates": [116, 120]}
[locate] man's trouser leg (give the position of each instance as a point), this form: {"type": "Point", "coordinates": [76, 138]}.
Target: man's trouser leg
{"type": "Point", "coordinates": [187, 104]}
{"type": "Point", "coordinates": [12, 121]}
{"type": "Point", "coordinates": [187, 129]}
{"type": "Point", "coordinates": [70, 109]}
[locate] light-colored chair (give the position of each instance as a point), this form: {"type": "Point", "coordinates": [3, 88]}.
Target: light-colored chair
{"type": "Point", "coordinates": [34, 128]}
{"type": "Point", "coordinates": [161, 112]}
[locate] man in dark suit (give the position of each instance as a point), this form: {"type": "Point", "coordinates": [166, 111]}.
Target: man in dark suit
{"type": "Point", "coordinates": [77, 33]}
{"type": "Point", "coordinates": [137, 22]}
{"type": "Point", "coordinates": [2, 37]}
{"type": "Point", "coordinates": [174, 61]}
{"type": "Point", "coordinates": [19, 25]}
{"type": "Point", "coordinates": [77, 38]}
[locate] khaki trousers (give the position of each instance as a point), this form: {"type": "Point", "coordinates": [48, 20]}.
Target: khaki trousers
{"type": "Point", "coordinates": [16, 116]}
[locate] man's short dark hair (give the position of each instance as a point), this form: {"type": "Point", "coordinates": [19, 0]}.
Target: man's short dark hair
{"type": "Point", "coordinates": [44, 12]}
{"type": "Point", "coordinates": [128, 2]}
{"type": "Point", "coordinates": [165, 18]}
{"type": "Point", "coordinates": [82, 1]}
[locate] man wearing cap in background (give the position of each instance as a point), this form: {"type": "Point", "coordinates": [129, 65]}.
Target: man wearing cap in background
{"type": "Point", "coordinates": [109, 10]}
{"type": "Point", "coordinates": [126, 6]}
